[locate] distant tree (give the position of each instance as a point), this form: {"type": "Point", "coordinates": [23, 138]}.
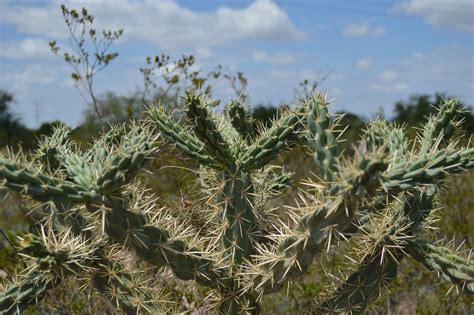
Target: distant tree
{"type": "Point", "coordinates": [414, 111]}
{"type": "Point", "coordinates": [116, 108]}
{"type": "Point", "coordinates": [6, 117]}
{"type": "Point", "coordinates": [12, 131]}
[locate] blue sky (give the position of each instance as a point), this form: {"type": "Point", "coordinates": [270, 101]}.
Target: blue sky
{"type": "Point", "coordinates": [378, 52]}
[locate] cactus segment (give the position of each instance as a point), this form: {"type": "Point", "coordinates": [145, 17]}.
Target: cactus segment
{"type": "Point", "coordinates": [29, 291]}
{"type": "Point", "coordinates": [321, 139]}
{"type": "Point", "coordinates": [154, 245]}
{"type": "Point", "coordinates": [382, 134]}
{"type": "Point", "coordinates": [440, 127]}
{"type": "Point", "coordinates": [54, 149]}
{"type": "Point", "coordinates": [206, 129]}
{"type": "Point", "coordinates": [407, 175]}
{"type": "Point", "coordinates": [237, 216]}
{"type": "Point", "coordinates": [453, 268]}
{"type": "Point", "coordinates": [242, 121]}
{"type": "Point", "coordinates": [361, 287]}
{"type": "Point", "coordinates": [41, 186]}
{"type": "Point", "coordinates": [182, 138]}
{"type": "Point", "coordinates": [282, 135]}
{"type": "Point", "coordinates": [381, 261]}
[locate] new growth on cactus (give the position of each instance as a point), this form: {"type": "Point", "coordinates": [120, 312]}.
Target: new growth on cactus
{"type": "Point", "coordinates": [94, 213]}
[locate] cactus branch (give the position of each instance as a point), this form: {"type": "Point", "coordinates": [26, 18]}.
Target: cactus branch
{"type": "Point", "coordinates": [242, 121]}
{"type": "Point", "coordinates": [382, 134]}
{"type": "Point", "coordinates": [29, 291]}
{"type": "Point", "coordinates": [321, 139]}
{"type": "Point", "coordinates": [314, 228]}
{"type": "Point", "coordinates": [154, 245]}
{"type": "Point", "coordinates": [206, 129]}
{"type": "Point", "coordinates": [183, 139]}
{"type": "Point", "coordinates": [237, 216]}
{"type": "Point", "coordinates": [453, 268]}
{"type": "Point", "coordinates": [381, 259]}
{"type": "Point", "coordinates": [440, 127]}
{"type": "Point", "coordinates": [54, 149]}
{"type": "Point", "coordinates": [406, 175]}
{"type": "Point", "coordinates": [361, 286]}
{"type": "Point", "coordinates": [41, 186]}
{"type": "Point", "coordinates": [283, 134]}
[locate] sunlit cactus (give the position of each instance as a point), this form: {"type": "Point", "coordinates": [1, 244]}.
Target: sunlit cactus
{"type": "Point", "coordinates": [93, 213]}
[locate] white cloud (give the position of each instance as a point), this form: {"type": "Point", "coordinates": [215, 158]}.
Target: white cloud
{"type": "Point", "coordinates": [363, 29]}
{"type": "Point", "coordinates": [447, 68]}
{"type": "Point", "coordinates": [276, 59]}
{"type": "Point", "coordinates": [418, 56]}
{"type": "Point", "coordinates": [390, 88]}
{"type": "Point", "coordinates": [163, 22]}
{"type": "Point", "coordinates": [295, 76]}
{"type": "Point", "coordinates": [26, 48]}
{"type": "Point", "coordinates": [204, 53]}
{"type": "Point", "coordinates": [276, 74]}
{"type": "Point", "coordinates": [364, 64]}
{"type": "Point", "coordinates": [29, 76]}
{"type": "Point", "coordinates": [453, 14]}
{"type": "Point", "coordinates": [414, 59]}
{"type": "Point", "coordinates": [33, 19]}
{"type": "Point", "coordinates": [312, 75]}
{"type": "Point", "coordinates": [388, 75]}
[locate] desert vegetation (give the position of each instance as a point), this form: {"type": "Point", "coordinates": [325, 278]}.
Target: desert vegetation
{"type": "Point", "coordinates": [169, 201]}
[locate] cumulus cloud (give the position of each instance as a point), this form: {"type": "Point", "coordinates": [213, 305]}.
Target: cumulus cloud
{"type": "Point", "coordinates": [363, 29]}
{"type": "Point", "coordinates": [36, 20]}
{"type": "Point", "coordinates": [204, 53]}
{"type": "Point", "coordinates": [29, 76]}
{"type": "Point", "coordinates": [26, 48]}
{"type": "Point", "coordinates": [364, 64]}
{"type": "Point", "coordinates": [276, 59]}
{"type": "Point", "coordinates": [445, 68]}
{"type": "Point", "coordinates": [294, 75]}
{"type": "Point", "coordinates": [163, 22]}
{"type": "Point", "coordinates": [417, 56]}
{"type": "Point", "coordinates": [390, 87]}
{"type": "Point", "coordinates": [455, 14]}
{"type": "Point", "coordinates": [388, 75]}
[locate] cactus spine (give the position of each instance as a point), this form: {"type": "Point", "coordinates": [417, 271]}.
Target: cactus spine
{"type": "Point", "coordinates": [93, 212]}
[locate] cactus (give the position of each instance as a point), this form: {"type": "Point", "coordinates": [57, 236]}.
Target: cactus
{"type": "Point", "coordinates": [92, 211]}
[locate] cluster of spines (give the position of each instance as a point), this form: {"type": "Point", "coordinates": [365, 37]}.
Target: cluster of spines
{"type": "Point", "coordinates": [248, 266]}
{"type": "Point", "coordinates": [87, 175]}
{"type": "Point", "coordinates": [395, 234]}
{"type": "Point", "coordinates": [54, 258]}
{"type": "Point", "coordinates": [233, 163]}
{"type": "Point", "coordinates": [50, 267]}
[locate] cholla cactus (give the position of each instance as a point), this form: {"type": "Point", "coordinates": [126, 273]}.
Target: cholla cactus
{"type": "Point", "coordinates": [93, 214]}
